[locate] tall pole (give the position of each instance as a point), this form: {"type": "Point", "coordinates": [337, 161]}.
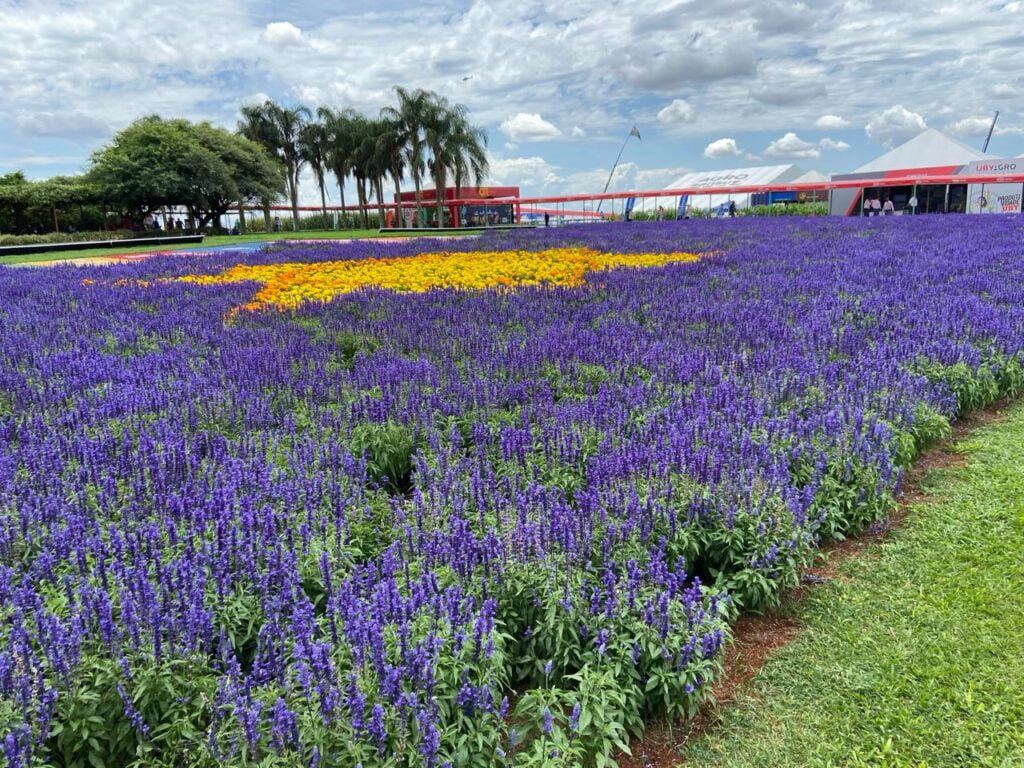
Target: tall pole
{"type": "Point", "coordinates": [632, 132]}
{"type": "Point", "coordinates": [990, 129]}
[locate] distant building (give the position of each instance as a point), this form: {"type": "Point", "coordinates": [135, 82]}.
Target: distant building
{"type": "Point", "coordinates": [485, 207]}
{"type": "Point", "coordinates": [755, 176]}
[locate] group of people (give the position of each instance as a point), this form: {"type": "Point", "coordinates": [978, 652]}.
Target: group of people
{"type": "Point", "coordinates": [875, 207]}
{"type": "Point", "coordinates": [154, 224]}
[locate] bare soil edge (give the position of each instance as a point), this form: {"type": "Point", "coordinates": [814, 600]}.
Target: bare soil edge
{"type": "Point", "coordinates": [756, 637]}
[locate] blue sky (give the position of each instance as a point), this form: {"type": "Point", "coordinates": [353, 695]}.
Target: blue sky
{"type": "Point", "coordinates": [711, 84]}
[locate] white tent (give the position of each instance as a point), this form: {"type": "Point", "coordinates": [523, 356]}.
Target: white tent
{"type": "Point", "coordinates": [928, 149]}
{"type": "Point", "coordinates": [929, 153]}
{"type": "Point", "coordinates": [732, 177]}
{"type": "Point", "coordinates": [810, 177]}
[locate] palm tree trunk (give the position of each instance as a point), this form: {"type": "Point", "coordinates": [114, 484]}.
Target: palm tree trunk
{"type": "Point", "coordinates": [323, 198]}
{"type": "Point", "coordinates": [380, 201]}
{"type": "Point", "coordinates": [361, 190]}
{"type": "Point", "coordinates": [439, 178]}
{"type": "Point", "coordinates": [341, 193]}
{"type": "Point", "coordinates": [293, 192]}
{"type": "Point", "coordinates": [398, 199]}
{"type": "Point", "coordinates": [417, 183]}
{"type": "Point", "coordinates": [266, 213]}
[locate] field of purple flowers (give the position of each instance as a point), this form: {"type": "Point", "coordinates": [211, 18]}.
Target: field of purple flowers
{"type": "Point", "coordinates": [456, 528]}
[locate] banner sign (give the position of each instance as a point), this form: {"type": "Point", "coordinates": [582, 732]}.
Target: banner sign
{"type": "Point", "coordinates": [681, 209]}
{"type": "Point", "coordinates": [995, 198]}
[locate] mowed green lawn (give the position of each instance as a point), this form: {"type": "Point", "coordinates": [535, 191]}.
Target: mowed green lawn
{"type": "Point", "coordinates": [914, 655]}
{"type": "Point", "coordinates": [210, 242]}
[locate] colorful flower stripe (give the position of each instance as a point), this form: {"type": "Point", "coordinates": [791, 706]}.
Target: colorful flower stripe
{"type": "Point", "coordinates": [290, 284]}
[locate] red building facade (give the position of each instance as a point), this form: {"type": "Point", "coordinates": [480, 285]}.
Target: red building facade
{"type": "Point", "coordinates": [478, 207]}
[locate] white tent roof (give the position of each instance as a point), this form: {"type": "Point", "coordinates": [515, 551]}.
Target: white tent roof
{"type": "Point", "coordinates": [765, 174]}
{"type": "Point", "coordinates": [810, 176]}
{"type": "Point", "coordinates": [926, 150]}
{"type": "Point", "coordinates": [755, 176]}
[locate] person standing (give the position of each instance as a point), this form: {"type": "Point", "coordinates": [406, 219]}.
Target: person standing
{"type": "Point", "coordinates": [732, 209]}
{"type": "Point", "coordinates": [888, 209]}
{"type": "Point", "coordinates": [876, 207]}
{"type": "Point", "coordinates": [912, 203]}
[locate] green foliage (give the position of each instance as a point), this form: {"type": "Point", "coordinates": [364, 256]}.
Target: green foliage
{"type": "Point", "coordinates": [388, 449]}
{"type": "Point", "coordinates": [972, 388]}
{"type": "Point", "coordinates": [156, 163]}
{"type": "Point", "coordinates": [315, 222]}
{"type": "Point", "coordinates": [93, 730]}
{"type": "Point", "coordinates": [61, 237]}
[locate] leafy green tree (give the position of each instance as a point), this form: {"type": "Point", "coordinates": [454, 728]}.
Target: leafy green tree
{"type": "Point", "coordinates": [58, 193]}
{"type": "Point", "coordinates": [15, 198]}
{"type": "Point", "coordinates": [157, 163]}
{"type": "Point", "coordinates": [251, 176]}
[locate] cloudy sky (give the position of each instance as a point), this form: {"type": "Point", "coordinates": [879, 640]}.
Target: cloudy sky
{"type": "Point", "coordinates": [712, 84]}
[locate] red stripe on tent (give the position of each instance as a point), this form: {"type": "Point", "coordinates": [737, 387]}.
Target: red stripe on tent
{"type": "Point", "coordinates": [935, 170]}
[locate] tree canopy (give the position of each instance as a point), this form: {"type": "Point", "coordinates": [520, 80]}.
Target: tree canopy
{"type": "Point", "coordinates": [156, 163]}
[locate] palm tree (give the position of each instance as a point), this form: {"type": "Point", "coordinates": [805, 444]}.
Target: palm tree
{"type": "Point", "coordinates": [412, 112]}
{"type": "Point", "coordinates": [391, 144]}
{"type": "Point", "coordinates": [373, 163]}
{"type": "Point", "coordinates": [255, 127]}
{"type": "Point", "coordinates": [456, 147]}
{"type": "Point", "coordinates": [278, 129]}
{"type": "Point", "coordinates": [363, 163]}
{"type": "Point", "coordinates": [312, 149]}
{"type": "Point", "coordinates": [342, 140]}
{"type": "Point", "coordinates": [469, 156]}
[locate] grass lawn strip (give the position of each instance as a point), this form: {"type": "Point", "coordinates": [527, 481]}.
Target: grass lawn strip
{"type": "Point", "coordinates": [913, 655]}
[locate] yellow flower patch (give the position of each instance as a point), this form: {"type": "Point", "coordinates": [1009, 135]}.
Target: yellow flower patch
{"type": "Point", "coordinates": [288, 285]}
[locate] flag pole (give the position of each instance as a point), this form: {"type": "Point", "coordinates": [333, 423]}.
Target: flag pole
{"type": "Point", "coordinates": [633, 132]}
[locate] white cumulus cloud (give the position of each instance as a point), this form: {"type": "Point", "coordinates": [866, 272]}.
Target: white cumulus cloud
{"type": "Point", "coordinates": [970, 126]}
{"type": "Point", "coordinates": [894, 125]}
{"type": "Point", "coordinates": [282, 33]}
{"type": "Point", "coordinates": [721, 148]}
{"type": "Point", "coordinates": [532, 172]}
{"type": "Point", "coordinates": [831, 123]}
{"type": "Point", "coordinates": [679, 111]}
{"type": "Point", "coordinates": [838, 146]}
{"type": "Point", "coordinates": [792, 146]}
{"type": "Point", "coordinates": [529, 126]}
{"type": "Point", "coordinates": [577, 132]}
